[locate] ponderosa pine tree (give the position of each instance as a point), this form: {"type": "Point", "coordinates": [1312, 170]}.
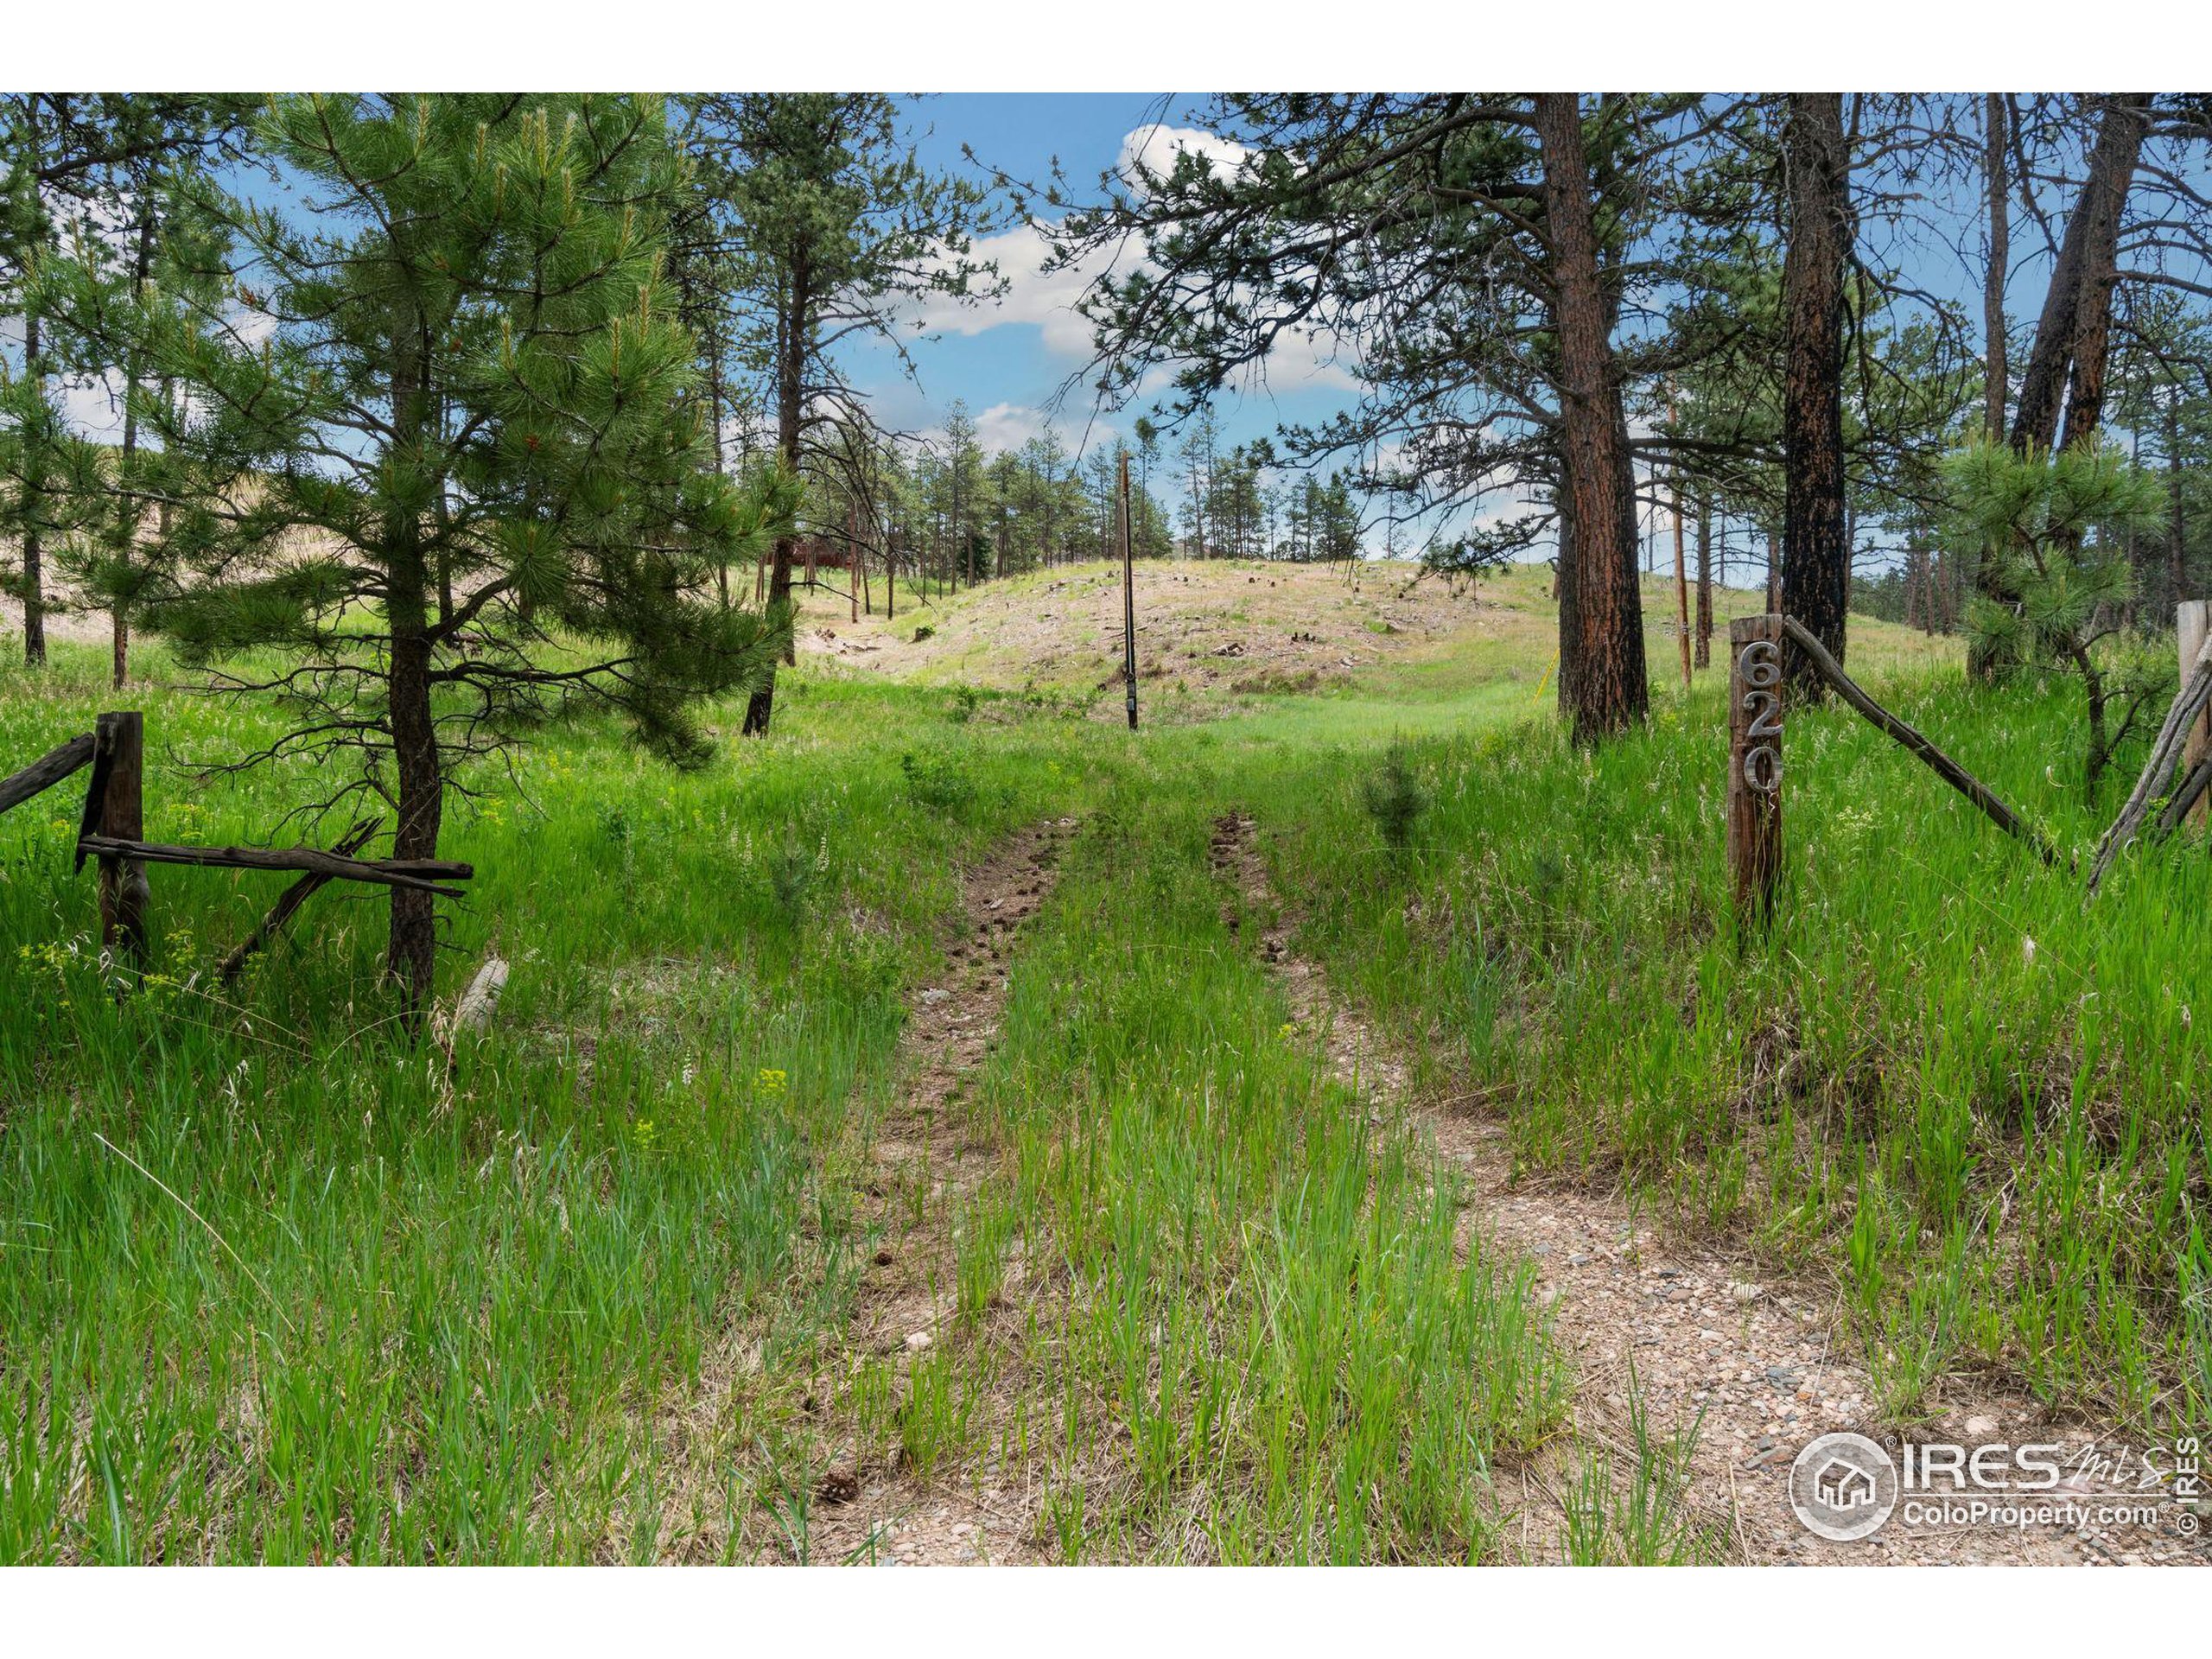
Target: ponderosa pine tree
{"type": "Point", "coordinates": [76, 166]}
{"type": "Point", "coordinates": [839, 233]}
{"type": "Point", "coordinates": [432, 473]}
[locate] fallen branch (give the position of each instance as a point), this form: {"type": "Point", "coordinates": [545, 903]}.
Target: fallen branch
{"type": "Point", "coordinates": [422, 874]}
{"type": "Point", "coordinates": [46, 772]}
{"type": "Point", "coordinates": [2189, 702]}
{"type": "Point", "coordinates": [289, 901]}
{"type": "Point", "coordinates": [1940, 763]}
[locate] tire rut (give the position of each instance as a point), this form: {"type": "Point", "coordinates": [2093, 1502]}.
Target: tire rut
{"type": "Point", "coordinates": [923, 1164]}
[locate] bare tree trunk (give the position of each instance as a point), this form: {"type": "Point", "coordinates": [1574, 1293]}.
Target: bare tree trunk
{"type": "Point", "coordinates": [1609, 688]}
{"type": "Point", "coordinates": [34, 504]}
{"type": "Point", "coordinates": [127, 503]}
{"type": "Point", "coordinates": [791, 372]}
{"type": "Point", "coordinates": [1816, 546]}
{"type": "Point", "coordinates": [2177, 546]}
{"type": "Point", "coordinates": [1996, 384]}
{"type": "Point", "coordinates": [2075, 318]}
{"type": "Point", "coordinates": [2126, 120]}
{"type": "Point", "coordinates": [2077, 309]}
{"type": "Point", "coordinates": [410, 955]}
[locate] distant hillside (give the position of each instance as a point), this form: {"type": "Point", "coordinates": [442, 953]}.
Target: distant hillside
{"type": "Point", "coordinates": [1219, 634]}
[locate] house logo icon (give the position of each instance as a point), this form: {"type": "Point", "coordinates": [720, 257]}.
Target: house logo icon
{"type": "Point", "coordinates": [1843, 1487]}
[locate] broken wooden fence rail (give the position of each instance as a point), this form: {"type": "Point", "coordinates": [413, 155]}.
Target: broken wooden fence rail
{"type": "Point", "coordinates": [46, 772]}
{"type": "Point", "coordinates": [424, 874]}
{"type": "Point", "coordinates": [112, 826]}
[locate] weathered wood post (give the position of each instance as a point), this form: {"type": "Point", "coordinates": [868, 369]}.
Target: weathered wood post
{"type": "Point", "coordinates": [1128, 598]}
{"type": "Point", "coordinates": [120, 749]}
{"type": "Point", "coordinates": [2192, 618]}
{"type": "Point", "coordinates": [1754, 764]}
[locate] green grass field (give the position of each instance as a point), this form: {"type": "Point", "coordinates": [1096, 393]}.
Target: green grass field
{"type": "Point", "coordinates": [276, 1284]}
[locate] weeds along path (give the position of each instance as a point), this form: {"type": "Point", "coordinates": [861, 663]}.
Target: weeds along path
{"type": "Point", "coordinates": [1755, 1369]}
{"type": "Point", "coordinates": [925, 1167]}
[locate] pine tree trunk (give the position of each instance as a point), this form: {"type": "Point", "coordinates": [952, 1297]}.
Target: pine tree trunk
{"type": "Point", "coordinates": [2177, 546]}
{"type": "Point", "coordinates": [128, 506]}
{"type": "Point", "coordinates": [2086, 254]}
{"type": "Point", "coordinates": [1815, 545]}
{"type": "Point", "coordinates": [1601, 659]}
{"type": "Point", "coordinates": [34, 545]}
{"type": "Point", "coordinates": [2119, 143]}
{"type": "Point", "coordinates": [2074, 330]}
{"type": "Point", "coordinates": [410, 954]}
{"type": "Point", "coordinates": [1995, 382]}
{"type": "Point", "coordinates": [791, 372]}
{"type": "Point", "coordinates": [34, 504]}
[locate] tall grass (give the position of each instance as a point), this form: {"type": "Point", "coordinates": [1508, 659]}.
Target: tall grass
{"type": "Point", "coordinates": [1977, 1100]}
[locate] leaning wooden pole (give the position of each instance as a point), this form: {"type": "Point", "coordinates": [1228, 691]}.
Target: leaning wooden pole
{"type": "Point", "coordinates": [2189, 702]}
{"type": "Point", "coordinates": [1941, 764]}
{"type": "Point", "coordinates": [1128, 598]}
{"type": "Point", "coordinates": [1755, 767]}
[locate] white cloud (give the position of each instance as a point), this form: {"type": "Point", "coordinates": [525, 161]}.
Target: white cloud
{"type": "Point", "coordinates": [1044, 300]}
{"type": "Point", "coordinates": [1008, 426]}
{"type": "Point", "coordinates": [1157, 147]}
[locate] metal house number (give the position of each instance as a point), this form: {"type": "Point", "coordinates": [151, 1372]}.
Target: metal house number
{"type": "Point", "coordinates": [1760, 663]}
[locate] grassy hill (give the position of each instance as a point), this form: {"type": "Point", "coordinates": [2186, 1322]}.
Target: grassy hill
{"type": "Point", "coordinates": [1385, 646]}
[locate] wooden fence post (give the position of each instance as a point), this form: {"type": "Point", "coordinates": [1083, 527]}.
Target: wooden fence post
{"type": "Point", "coordinates": [2192, 618]}
{"type": "Point", "coordinates": [119, 744]}
{"type": "Point", "coordinates": [1754, 764]}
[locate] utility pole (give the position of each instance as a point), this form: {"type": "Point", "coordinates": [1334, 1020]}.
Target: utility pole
{"type": "Point", "coordinates": [1128, 596]}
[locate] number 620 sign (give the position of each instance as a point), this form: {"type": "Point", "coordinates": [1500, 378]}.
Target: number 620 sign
{"type": "Point", "coordinates": [1758, 666]}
